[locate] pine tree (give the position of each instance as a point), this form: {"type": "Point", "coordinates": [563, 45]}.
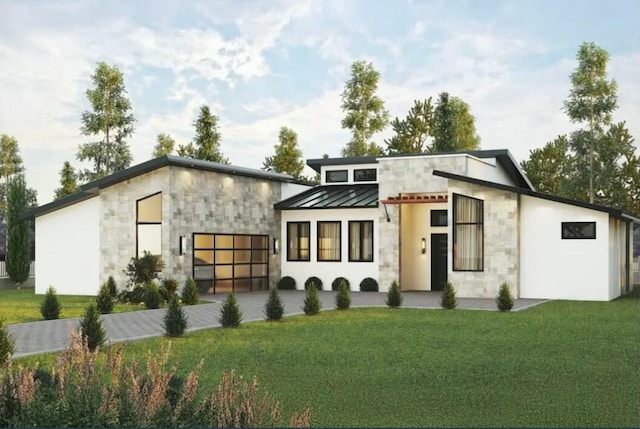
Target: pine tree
{"type": "Point", "coordinates": [164, 146]}
{"type": "Point", "coordinates": [230, 315]}
{"type": "Point", "coordinates": [175, 320]}
{"type": "Point", "coordinates": [412, 132]}
{"type": "Point", "coordinates": [394, 297]}
{"type": "Point", "coordinates": [504, 300]}
{"type": "Point", "coordinates": [288, 156]}
{"type": "Point", "coordinates": [207, 139]}
{"type": "Point", "coordinates": [91, 327]}
{"type": "Point", "coordinates": [18, 258]}
{"type": "Point", "coordinates": [113, 287]}
{"type": "Point", "coordinates": [104, 301]}
{"type": "Point", "coordinates": [190, 292]}
{"type": "Point", "coordinates": [68, 182]}
{"type": "Point", "coordinates": [343, 297]}
{"type": "Point", "coordinates": [448, 299]}
{"type": "Point", "coordinates": [50, 306]}
{"type": "Point", "coordinates": [453, 126]}
{"type": "Point", "coordinates": [312, 303]}
{"type": "Point", "coordinates": [274, 309]}
{"type": "Point", "coordinates": [7, 343]}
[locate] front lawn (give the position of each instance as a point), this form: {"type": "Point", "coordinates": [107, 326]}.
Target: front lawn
{"type": "Point", "coordinates": [557, 364]}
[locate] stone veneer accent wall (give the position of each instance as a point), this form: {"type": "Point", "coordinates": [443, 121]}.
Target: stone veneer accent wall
{"type": "Point", "coordinates": [192, 201]}
{"type": "Point", "coordinates": [501, 243]}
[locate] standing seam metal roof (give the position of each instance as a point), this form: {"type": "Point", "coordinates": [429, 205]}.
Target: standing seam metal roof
{"type": "Point", "coordinates": [333, 197]}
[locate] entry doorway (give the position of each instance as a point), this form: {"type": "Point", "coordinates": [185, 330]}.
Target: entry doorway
{"type": "Point", "coordinates": [438, 261]}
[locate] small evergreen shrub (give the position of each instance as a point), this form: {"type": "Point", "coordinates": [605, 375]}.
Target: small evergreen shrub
{"type": "Point", "coordinates": [104, 301]}
{"type": "Point", "coordinates": [448, 299]}
{"type": "Point", "coordinates": [152, 298]}
{"type": "Point", "coordinates": [142, 270]}
{"type": "Point", "coordinates": [7, 343]}
{"type": "Point", "coordinates": [50, 306]}
{"type": "Point", "coordinates": [230, 315]}
{"type": "Point", "coordinates": [312, 303]}
{"type": "Point", "coordinates": [190, 292]}
{"type": "Point", "coordinates": [175, 320]}
{"type": "Point", "coordinates": [504, 300]}
{"type": "Point", "coordinates": [274, 309]}
{"type": "Point", "coordinates": [335, 284]}
{"type": "Point", "coordinates": [394, 297]}
{"type": "Point", "coordinates": [91, 327]}
{"type": "Point", "coordinates": [286, 283]}
{"type": "Point", "coordinates": [315, 280]}
{"type": "Point", "coordinates": [168, 288]}
{"type": "Point", "coordinates": [343, 298]}
{"type": "Point", "coordinates": [113, 287]}
{"type": "Point", "coordinates": [368, 285]}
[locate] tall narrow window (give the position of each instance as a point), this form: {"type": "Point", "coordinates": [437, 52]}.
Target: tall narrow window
{"type": "Point", "coordinates": [329, 241]}
{"type": "Point", "coordinates": [298, 241]}
{"type": "Point", "coordinates": [149, 225]}
{"type": "Point", "coordinates": [361, 241]}
{"type": "Point", "coordinates": [468, 233]}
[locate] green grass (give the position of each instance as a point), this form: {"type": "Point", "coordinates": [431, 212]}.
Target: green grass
{"type": "Point", "coordinates": [23, 305]}
{"type": "Point", "coordinates": [558, 364]}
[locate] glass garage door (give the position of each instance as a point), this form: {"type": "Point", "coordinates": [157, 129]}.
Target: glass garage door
{"type": "Point", "coordinates": [230, 262]}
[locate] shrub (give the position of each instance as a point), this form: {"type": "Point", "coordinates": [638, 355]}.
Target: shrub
{"type": "Point", "coordinates": [312, 303]}
{"type": "Point", "coordinates": [394, 297]}
{"type": "Point", "coordinates": [286, 283]}
{"type": "Point", "coordinates": [315, 280]}
{"type": "Point", "coordinates": [113, 287]}
{"type": "Point", "coordinates": [142, 270]}
{"type": "Point", "coordinates": [343, 298]}
{"type": "Point", "coordinates": [168, 288]}
{"type": "Point", "coordinates": [448, 299]}
{"type": "Point", "coordinates": [230, 315]}
{"type": "Point", "coordinates": [504, 300]}
{"type": "Point", "coordinates": [274, 309]}
{"type": "Point", "coordinates": [152, 297]}
{"type": "Point", "coordinates": [190, 292]}
{"type": "Point", "coordinates": [175, 321]}
{"type": "Point", "coordinates": [50, 306]}
{"type": "Point", "coordinates": [335, 284]}
{"type": "Point", "coordinates": [104, 300]}
{"type": "Point", "coordinates": [91, 327]}
{"type": "Point", "coordinates": [369, 285]}
{"type": "Point", "coordinates": [7, 343]}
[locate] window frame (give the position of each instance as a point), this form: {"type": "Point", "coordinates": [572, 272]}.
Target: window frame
{"type": "Point", "coordinates": [357, 170]}
{"type": "Point", "coordinates": [433, 217]}
{"type": "Point", "coordinates": [138, 252]}
{"type": "Point", "coordinates": [298, 244]}
{"type": "Point", "coordinates": [455, 234]}
{"type": "Point", "coordinates": [361, 223]}
{"type": "Point", "coordinates": [339, 223]}
{"type": "Point", "coordinates": [564, 236]}
{"type": "Point", "coordinates": [328, 172]}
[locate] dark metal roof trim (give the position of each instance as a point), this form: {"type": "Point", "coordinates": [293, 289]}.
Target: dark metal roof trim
{"type": "Point", "coordinates": [333, 197]}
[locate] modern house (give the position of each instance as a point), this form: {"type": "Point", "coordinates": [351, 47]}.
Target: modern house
{"type": "Point", "coordinates": [470, 218]}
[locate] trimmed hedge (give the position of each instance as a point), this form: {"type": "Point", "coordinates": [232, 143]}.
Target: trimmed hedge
{"type": "Point", "coordinates": [335, 285]}
{"type": "Point", "coordinates": [316, 282]}
{"type": "Point", "coordinates": [286, 283]}
{"type": "Point", "coordinates": [369, 284]}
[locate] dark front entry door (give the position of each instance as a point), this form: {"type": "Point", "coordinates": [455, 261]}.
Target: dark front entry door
{"type": "Point", "coordinates": [438, 261]}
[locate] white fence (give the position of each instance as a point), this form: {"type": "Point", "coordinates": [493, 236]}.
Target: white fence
{"type": "Point", "coordinates": [635, 271]}
{"type": "Point", "coordinates": [3, 269]}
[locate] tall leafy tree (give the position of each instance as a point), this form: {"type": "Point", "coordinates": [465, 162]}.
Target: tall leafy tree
{"type": "Point", "coordinates": [365, 114]}
{"type": "Point", "coordinates": [591, 101]}
{"type": "Point", "coordinates": [288, 156]}
{"type": "Point", "coordinates": [164, 146]}
{"type": "Point", "coordinates": [453, 126]}
{"type": "Point", "coordinates": [68, 182]}
{"type": "Point", "coordinates": [187, 151]}
{"type": "Point", "coordinates": [111, 120]}
{"type": "Point", "coordinates": [206, 143]}
{"type": "Point", "coordinates": [18, 258]}
{"type": "Point", "coordinates": [412, 132]}
{"type": "Point", "coordinates": [10, 164]}
{"type": "Point", "coordinates": [549, 169]}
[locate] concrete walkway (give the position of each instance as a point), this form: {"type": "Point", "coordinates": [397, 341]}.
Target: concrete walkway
{"type": "Point", "coordinates": [53, 335]}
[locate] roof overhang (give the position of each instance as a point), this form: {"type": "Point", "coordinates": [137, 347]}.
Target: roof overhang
{"type": "Point", "coordinates": [416, 199]}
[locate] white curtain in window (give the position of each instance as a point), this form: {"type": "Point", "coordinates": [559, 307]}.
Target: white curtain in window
{"type": "Point", "coordinates": [361, 244]}
{"type": "Point", "coordinates": [328, 241]}
{"type": "Point", "coordinates": [469, 234]}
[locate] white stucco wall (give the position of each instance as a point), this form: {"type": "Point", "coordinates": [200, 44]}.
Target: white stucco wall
{"type": "Point", "coordinates": [487, 169]}
{"type": "Point", "coordinates": [328, 271]}
{"type": "Point", "coordinates": [291, 189]}
{"type": "Point", "coordinates": [349, 168]}
{"type": "Point", "coordinates": [68, 249]}
{"type": "Point", "coordinates": [553, 268]}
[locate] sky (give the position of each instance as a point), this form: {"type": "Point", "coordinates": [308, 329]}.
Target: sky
{"type": "Point", "coordinates": [261, 65]}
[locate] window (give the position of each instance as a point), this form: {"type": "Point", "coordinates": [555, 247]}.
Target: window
{"type": "Point", "coordinates": [329, 241]}
{"type": "Point", "coordinates": [298, 241]}
{"type": "Point", "coordinates": [438, 218]}
{"type": "Point", "coordinates": [336, 176]}
{"type": "Point", "coordinates": [468, 233]}
{"type": "Point", "coordinates": [578, 230]}
{"type": "Point", "coordinates": [149, 225]}
{"type": "Point", "coordinates": [365, 175]}
{"type": "Point", "coordinates": [361, 241]}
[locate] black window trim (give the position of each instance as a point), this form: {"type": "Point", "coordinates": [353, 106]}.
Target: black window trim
{"type": "Point", "coordinates": [375, 171]}
{"type": "Point", "coordinates": [298, 225]}
{"type": "Point", "coordinates": [339, 222]}
{"type": "Point", "coordinates": [327, 172]}
{"type": "Point", "coordinates": [564, 237]}
{"type": "Point", "coordinates": [360, 259]}
{"type": "Point", "coordinates": [137, 253]}
{"type": "Point", "coordinates": [431, 217]}
{"type": "Point", "coordinates": [454, 224]}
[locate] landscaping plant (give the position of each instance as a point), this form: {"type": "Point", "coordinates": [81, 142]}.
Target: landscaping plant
{"type": "Point", "coordinates": [50, 306]}
{"type": "Point", "coordinates": [315, 280]}
{"type": "Point", "coordinates": [230, 315]}
{"type": "Point", "coordinates": [448, 299]}
{"type": "Point", "coordinates": [368, 285]}
{"type": "Point", "coordinates": [312, 303]}
{"type": "Point", "coordinates": [113, 287]}
{"type": "Point", "coordinates": [504, 300]}
{"type": "Point", "coordinates": [91, 327]}
{"type": "Point", "coordinates": [343, 297]}
{"type": "Point", "coordinates": [394, 298]}
{"type": "Point", "coordinates": [175, 320]}
{"type": "Point", "coordinates": [152, 297]}
{"type": "Point", "coordinates": [286, 283]}
{"type": "Point", "coordinates": [335, 284]}
{"type": "Point", "coordinates": [274, 309]}
{"type": "Point", "coordinates": [104, 301]}
{"type": "Point", "coordinates": [168, 288]}
{"type": "Point", "coordinates": [190, 292]}
{"type": "Point", "coordinates": [7, 344]}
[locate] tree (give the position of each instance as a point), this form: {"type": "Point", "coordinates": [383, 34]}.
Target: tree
{"type": "Point", "coordinates": [412, 132]}
{"type": "Point", "coordinates": [187, 151]}
{"type": "Point", "coordinates": [365, 111]}
{"type": "Point", "coordinates": [453, 126]}
{"type": "Point", "coordinates": [206, 143]}
{"type": "Point", "coordinates": [175, 319]}
{"type": "Point", "coordinates": [549, 169]}
{"type": "Point", "coordinates": [18, 230]}
{"type": "Point", "coordinates": [164, 146]}
{"type": "Point", "coordinates": [288, 156]}
{"type": "Point", "coordinates": [91, 327]}
{"type": "Point", "coordinates": [591, 100]}
{"type": "Point", "coordinates": [111, 118]}
{"type": "Point", "coordinates": [68, 182]}
{"type": "Point", "coordinates": [10, 164]}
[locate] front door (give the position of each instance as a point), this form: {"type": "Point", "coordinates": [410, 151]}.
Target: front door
{"type": "Point", "coordinates": [438, 261]}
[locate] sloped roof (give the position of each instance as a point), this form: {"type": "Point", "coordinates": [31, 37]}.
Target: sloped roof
{"type": "Point", "coordinates": [333, 197]}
